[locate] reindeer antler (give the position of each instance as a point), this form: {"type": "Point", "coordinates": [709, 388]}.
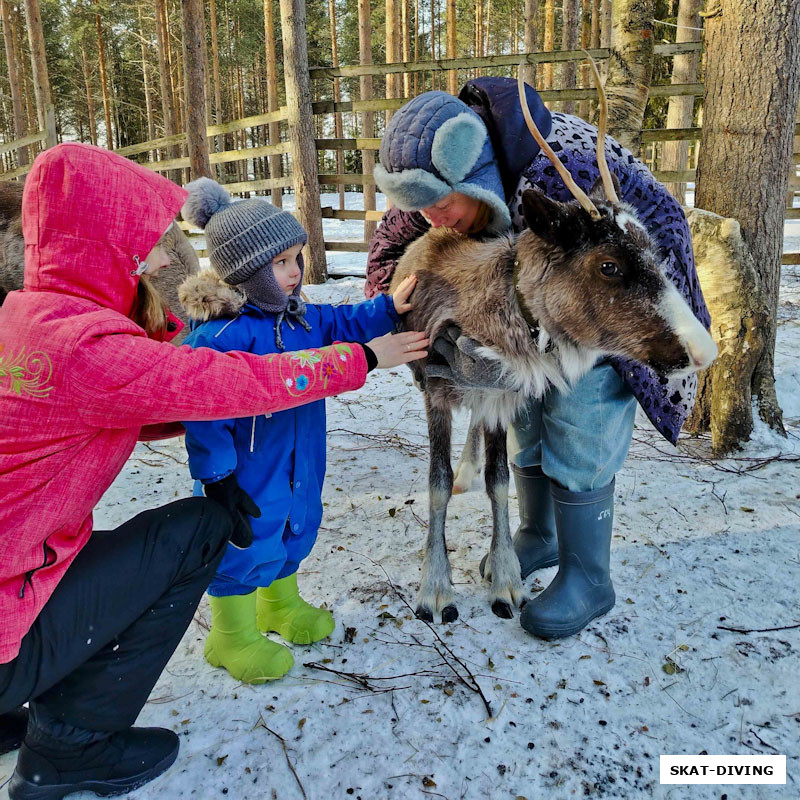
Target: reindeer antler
{"type": "Point", "coordinates": [569, 181]}
{"type": "Point", "coordinates": [602, 164]}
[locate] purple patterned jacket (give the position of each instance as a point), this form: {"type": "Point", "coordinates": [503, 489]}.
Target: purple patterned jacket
{"type": "Point", "coordinates": [666, 402]}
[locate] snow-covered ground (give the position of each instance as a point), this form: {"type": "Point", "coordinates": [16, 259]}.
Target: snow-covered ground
{"type": "Point", "coordinates": [387, 707]}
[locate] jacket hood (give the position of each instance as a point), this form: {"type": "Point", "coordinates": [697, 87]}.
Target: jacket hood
{"type": "Point", "coordinates": [496, 102]}
{"type": "Point", "coordinates": [88, 215]}
{"type": "Point", "coordinates": [206, 296]}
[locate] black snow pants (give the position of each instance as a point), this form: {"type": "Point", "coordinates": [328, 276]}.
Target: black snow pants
{"type": "Point", "coordinates": [99, 644]}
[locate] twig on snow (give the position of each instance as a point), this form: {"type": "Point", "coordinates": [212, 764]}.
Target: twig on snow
{"type": "Point", "coordinates": [467, 678]}
{"type": "Point", "coordinates": [762, 741]}
{"type": "Point", "coordinates": [757, 630]}
{"type": "Point", "coordinates": [162, 453]}
{"type": "Point", "coordinates": [285, 752]}
{"type": "Point", "coordinates": [383, 440]}
{"type": "Point", "coordinates": [363, 681]}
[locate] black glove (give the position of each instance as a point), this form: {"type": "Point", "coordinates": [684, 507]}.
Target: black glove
{"type": "Point", "coordinates": [465, 366]}
{"type": "Point", "coordinates": [241, 506]}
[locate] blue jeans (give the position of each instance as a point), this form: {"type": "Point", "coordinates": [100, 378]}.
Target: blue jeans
{"type": "Point", "coordinates": [581, 438]}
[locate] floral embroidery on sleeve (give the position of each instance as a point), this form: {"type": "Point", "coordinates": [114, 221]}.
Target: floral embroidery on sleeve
{"type": "Point", "coordinates": [26, 373]}
{"type": "Point", "coordinates": [305, 367]}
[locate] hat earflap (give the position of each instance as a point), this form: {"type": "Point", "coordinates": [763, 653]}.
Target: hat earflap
{"type": "Point", "coordinates": [411, 189]}
{"type": "Point", "coordinates": [206, 198]}
{"type": "Point", "coordinates": [457, 144]}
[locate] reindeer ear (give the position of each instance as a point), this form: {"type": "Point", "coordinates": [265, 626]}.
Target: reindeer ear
{"type": "Point", "coordinates": [598, 192]}
{"type": "Point", "coordinates": [548, 219]}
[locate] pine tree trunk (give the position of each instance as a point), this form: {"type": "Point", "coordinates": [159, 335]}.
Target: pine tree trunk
{"type": "Point", "coordinates": [87, 81]}
{"type": "Point", "coordinates": [337, 96]}
{"type": "Point", "coordinates": [595, 43]}
{"type": "Point", "coordinates": [368, 119]}
{"type": "Point", "coordinates": [101, 61]}
{"type": "Point", "coordinates": [301, 133]}
{"type": "Point", "coordinates": [630, 70]}
{"type": "Point", "coordinates": [194, 44]}
{"type": "Point", "coordinates": [586, 43]}
{"type": "Point", "coordinates": [148, 94]}
{"type": "Point", "coordinates": [272, 97]}
{"type": "Point", "coordinates": [549, 42]}
{"type": "Point", "coordinates": [452, 74]}
{"type": "Point", "coordinates": [416, 47]}
{"type": "Point", "coordinates": [570, 25]}
{"type": "Point", "coordinates": [23, 154]}
{"type": "Point", "coordinates": [745, 157]}
{"type": "Point", "coordinates": [478, 28]}
{"type": "Point", "coordinates": [739, 317]}
{"type": "Point", "coordinates": [405, 48]}
{"type": "Point", "coordinates": [606, 23]}
{"type": "Point", "coordinates": [391, 51]}
{"type": "Point", "coordinates": [531, 41]}
{"type": "Point", "coordinates": [41, 81]}
{"type": "Point", "coordinates": [679, 114]}
{"type": "Point", "coordinates": [219, 141]}
{"type": "Point", "coordinates": [487, 22]}
{"type": "Point", "coordinates": [167, 99]}
{"type": "Point", "coordinates": [433, 41]}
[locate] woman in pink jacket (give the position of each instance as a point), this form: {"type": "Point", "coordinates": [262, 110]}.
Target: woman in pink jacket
{"type": "Point", "coordinates": [89, 619]}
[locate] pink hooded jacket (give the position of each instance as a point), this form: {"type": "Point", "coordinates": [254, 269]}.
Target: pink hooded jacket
{"type": "Point", "coordinates": [79, 379]}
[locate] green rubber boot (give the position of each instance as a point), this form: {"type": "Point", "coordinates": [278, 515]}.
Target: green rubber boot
{"type": "Point", "coordinates": [281, 609]}
{"type": "Point", "coordinates": [236, 644]}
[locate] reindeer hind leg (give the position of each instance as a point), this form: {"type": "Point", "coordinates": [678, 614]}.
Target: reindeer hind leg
{"type": "Point", "coordinates": [469, 465]}
{"type": "Point", "coordinates": [502, 562]}
{"type": "Point", "coordinates": [435, 590]}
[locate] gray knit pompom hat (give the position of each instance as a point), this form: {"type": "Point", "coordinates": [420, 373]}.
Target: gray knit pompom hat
{"type": "Point", "coordinates": [241, 237]}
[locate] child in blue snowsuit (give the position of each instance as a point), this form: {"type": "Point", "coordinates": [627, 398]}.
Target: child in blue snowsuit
{"type": "Point", "coordinates": [251, 302]}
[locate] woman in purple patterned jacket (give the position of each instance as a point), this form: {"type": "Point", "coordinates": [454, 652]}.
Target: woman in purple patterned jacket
{"type": "Point", "coordinates": [464, 163]}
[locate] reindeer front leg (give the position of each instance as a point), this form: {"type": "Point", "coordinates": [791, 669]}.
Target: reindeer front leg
{"type": "Point", "coordinates": [435, 589]}
{"type": "Point", "coordinates": [502, 565]}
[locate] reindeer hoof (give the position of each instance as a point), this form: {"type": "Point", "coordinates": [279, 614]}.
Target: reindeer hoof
{"type": "Point", "coordinates": [449, 614]}
{"type": "Point", "coordinates": [502, 609]}
{"type": "Point", "coordinates": [424, 614]}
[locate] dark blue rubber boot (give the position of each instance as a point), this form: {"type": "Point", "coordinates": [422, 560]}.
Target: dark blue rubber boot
{"type": "Point", "coordinates": [535, 541]}
{"type": "Point", "coordinates": [582, 588]}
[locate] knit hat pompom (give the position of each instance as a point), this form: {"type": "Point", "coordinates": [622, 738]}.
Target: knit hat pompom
{"type": "Point", "coordinates": [206, 198]}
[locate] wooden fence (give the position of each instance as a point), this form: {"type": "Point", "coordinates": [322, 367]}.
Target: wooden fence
{"type": "Point", "coordinates": [255, 156]}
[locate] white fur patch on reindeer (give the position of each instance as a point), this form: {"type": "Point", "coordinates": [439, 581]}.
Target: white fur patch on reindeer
{"type": "Point", "coordinates": [699, 345]}
{"type": "Point", "coordinates": [628, 222]}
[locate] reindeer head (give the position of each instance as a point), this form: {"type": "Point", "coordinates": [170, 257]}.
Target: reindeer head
{"type": "Point", "coordinates": [589, 270]}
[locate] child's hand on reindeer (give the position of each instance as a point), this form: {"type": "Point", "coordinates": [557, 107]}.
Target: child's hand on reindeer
{"type": "Point", "coordinates": [402, 293]}
{"type": "Point", "coordinates": [394, 349]}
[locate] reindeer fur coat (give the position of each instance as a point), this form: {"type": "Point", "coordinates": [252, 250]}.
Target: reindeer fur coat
{"type": "Point", "coordinates": [495, 100]}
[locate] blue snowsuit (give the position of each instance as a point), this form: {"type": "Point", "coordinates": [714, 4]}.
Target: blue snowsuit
{"type": "Point", "coordinates": [278, 459]}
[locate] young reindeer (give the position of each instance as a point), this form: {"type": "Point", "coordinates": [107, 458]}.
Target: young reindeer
{"type": "Point", "coordinates": [581, 282]}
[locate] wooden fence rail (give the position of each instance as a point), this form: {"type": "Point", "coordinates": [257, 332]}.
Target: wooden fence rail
{"type": "Point", "coordinates": [152, 149]}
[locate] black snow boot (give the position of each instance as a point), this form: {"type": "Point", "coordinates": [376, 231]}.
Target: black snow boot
{"type": "Point", "coordinates": [582, 588]}
{"type": "Point", "coordinates": [535, 541]}
{"type": "Point", "coordinates": [57, 759]}
{"type": "Point", "coordinates": [12, 729]}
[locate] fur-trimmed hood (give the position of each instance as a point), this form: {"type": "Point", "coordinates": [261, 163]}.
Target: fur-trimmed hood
{"type": "Point", "coordinates": [206, 296]}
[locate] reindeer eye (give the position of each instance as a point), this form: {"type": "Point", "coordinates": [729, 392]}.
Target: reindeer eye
{"type": "Point", "coordinates": [610, 269]}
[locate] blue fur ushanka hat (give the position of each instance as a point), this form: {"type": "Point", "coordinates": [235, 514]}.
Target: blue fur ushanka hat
{"type": "Point", "coordinates": [435, 145]}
